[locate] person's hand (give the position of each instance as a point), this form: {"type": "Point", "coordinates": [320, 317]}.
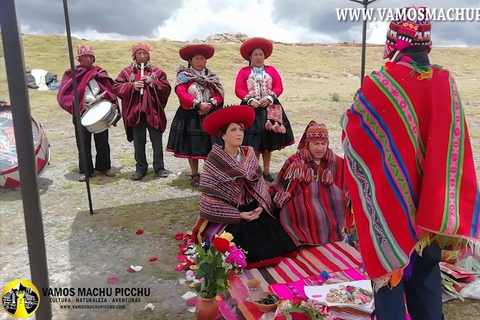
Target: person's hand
{"type": "Point", "coordinates": [264, 102]}
{"type": "Point", "coordinates": [204, 108]}
{"type": "Point", "coordinates": [100, 96]}
{"type": "Point", "coordinates": [255, 103]}
{"type": "Point", "coordinates": [147, 80]}
{"type": "Point", "coordinates": [137, 85]}
{"type": "Point", "coordinates": [251, 215]}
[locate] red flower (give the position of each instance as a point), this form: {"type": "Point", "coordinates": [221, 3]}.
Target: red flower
{"type": "Point", "coordinates": [139, 231]}
{"type": "Point", "coordinates": [182, 257]}
{"type": "Point", "coordinates": [179, 236]}
{"type": "Point", "coordinates": [152, 259]}
{"type": "Point", "coordinates": [221, 245]}
{"type": "Point", "coordinates": [297, 300]}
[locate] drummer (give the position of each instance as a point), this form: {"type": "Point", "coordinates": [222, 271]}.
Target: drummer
{"type": "Point", "coordinates": [85, 72]}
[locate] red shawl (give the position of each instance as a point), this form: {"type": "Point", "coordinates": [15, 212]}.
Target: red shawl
{"type": "Point", "coordinates": [154, 100]}
{"type": "Point", "coordinates": [84, 75]}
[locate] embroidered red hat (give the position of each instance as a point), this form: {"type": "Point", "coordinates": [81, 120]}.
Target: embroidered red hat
{"type": "Point", "coordinates": [140, 46]}
{"type": "Point", "coordinates": [248, 46]}
{"type": "Point", "coordinates": [233, 114]}
{"type": "Point", "coordinates": [313, 132]}
{"type": "Point", "coordinates": [405, 33]}
{"type": "Point", "coordinates": [189, 51]}
{"type": "Point", "coordinates": [84, 49]}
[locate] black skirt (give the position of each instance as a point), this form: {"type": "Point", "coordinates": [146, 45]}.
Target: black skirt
{"type": "Point", "coordinates": [263, 238]}
{"type": "Point", "coordinates": [187, 139]}
{"type": "Point", "coordinates": [263, 140]}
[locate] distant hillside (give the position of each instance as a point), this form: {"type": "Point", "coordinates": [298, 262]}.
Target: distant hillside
{"type": "Point", "coordinates": [312, 74]}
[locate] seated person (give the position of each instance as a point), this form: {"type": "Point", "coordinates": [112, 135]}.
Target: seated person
{"type": "Point", "coordinates": [235, 197]}
{"type": "Point", "coordinates": [309, 193]}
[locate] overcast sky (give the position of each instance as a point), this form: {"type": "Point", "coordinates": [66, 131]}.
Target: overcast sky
{"type": "Point", "coordinates": [279, 20]}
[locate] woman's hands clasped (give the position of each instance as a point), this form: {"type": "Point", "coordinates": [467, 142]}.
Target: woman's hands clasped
{"type": "Point", "coordinates": [262, 103]}
{"type": "Point", "coordinates": [251, 215]}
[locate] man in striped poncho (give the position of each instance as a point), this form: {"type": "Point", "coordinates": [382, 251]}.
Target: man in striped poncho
{"type": "Point", "coordinates": [411, 175]}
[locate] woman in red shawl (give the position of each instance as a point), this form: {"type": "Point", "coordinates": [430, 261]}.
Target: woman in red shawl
{"type": "Point", "coordinates": [143, 102]}
{"type": "Point", "coordinates": [309, 191]}
{"type": "Point", "coordinates": [234, 195]}
{"type": "Point", "coordinates": [259, 86]}
{"type": "Point", "coordinates": [200, 93]}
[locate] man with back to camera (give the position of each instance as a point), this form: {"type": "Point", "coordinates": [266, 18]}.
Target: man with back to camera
{"type": "Point", "coordinates": [411, 175]}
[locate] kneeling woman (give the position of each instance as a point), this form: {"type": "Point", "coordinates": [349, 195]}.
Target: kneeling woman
{"type": "Point", "coordinates": [309, 191]}
{"type": "Point", "coordinates": [234, 194]}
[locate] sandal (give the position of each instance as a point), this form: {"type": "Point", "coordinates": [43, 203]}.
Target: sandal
{"type": "Point", "coordinates": [268, 177]}
{"type": "Point", "coordinates": [195, 180]}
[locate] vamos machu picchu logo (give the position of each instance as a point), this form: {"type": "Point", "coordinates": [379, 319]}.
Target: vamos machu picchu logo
{"type": "Point", "coordinates": [20, 298]}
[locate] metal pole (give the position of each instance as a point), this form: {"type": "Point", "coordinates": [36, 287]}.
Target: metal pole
{"type": "Point", "coordinates": [364, 44]}
{"type": "Point", "coordinates": [364, 37]}
{"type": "Point", "coordinates": [76, 105]}
{"type": "Point", "coordinates": [22, 122]}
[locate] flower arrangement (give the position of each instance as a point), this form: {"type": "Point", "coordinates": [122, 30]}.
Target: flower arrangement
{"type": "Point", "coordinates": [215, 262]}
{"type": "Point", "coordinates": [304, 308]}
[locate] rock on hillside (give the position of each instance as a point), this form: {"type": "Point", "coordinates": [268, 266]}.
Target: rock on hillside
{"type": "Point", "coordinates": [227, 38]}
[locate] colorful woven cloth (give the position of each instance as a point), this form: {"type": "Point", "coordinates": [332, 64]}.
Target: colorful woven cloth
{"type": "Point", "coordinates": [411, 175]}
{"type": "Point", "coordinates": [310, 262]}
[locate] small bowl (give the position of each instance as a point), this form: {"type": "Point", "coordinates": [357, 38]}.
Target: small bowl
{"type": "Point", "coordinates": [254, 285]}
{"type": "Point", "coordinates": [254, 297]}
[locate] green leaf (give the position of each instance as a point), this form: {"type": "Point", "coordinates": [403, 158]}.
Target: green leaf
{"type": "Point", "coordinates": [200, 274]}
{"type": "Point", "coordinates": [206, 267]}
{"type": "Point", "coordinates": [198, 287]}
{"type": "Point", "coordinates": [199, 250]}
{"type": "Point", "coordinates": [212, 249]}
{"type": "Point", "coordinates": [220, 282]}
{"type": "Point", "coordinates": [219, 273]}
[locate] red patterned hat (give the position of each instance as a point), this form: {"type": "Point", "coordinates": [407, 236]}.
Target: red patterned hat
{"type": "Point", "coordinates": [84, 49]}
{"type": "Point", "coordinates": [405, 33]}
{"type": "Point", "coordinates": [238, 114]}
{"type": "Point", "coordinates": [313, 132]}
{"type": "Point", "coordinates": [140, 46]}
{"type": "Point", "coordinates": [189, 51]}
{"type": "Point", "coordinates": [248, 46]}
{"type": "Point", "coordinates": [317, 131]}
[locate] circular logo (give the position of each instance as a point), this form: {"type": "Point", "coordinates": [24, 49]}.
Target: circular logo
{"type": "Point", "coordinates": [20, 298]}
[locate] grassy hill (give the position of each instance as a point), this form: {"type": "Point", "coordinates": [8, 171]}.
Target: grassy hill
{"type": "Point", "coordinates": [319, 83]}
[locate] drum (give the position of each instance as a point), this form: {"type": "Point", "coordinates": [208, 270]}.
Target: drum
{"type": "Point", "coordinates": [100, 116]}
{"type": "Point", "coordinates": [9, 173]}
{"type": "Point", "coordinates": [91, 91]}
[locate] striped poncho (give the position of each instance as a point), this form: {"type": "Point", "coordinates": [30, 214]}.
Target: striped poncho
{"type": "Point", "coordinates": [411, 175]}
{"type": "Point", "coordinates": [313, 213]}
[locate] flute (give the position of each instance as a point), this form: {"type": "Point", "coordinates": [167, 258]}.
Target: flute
{"type": "Point", "coordinates": [142, 67]}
